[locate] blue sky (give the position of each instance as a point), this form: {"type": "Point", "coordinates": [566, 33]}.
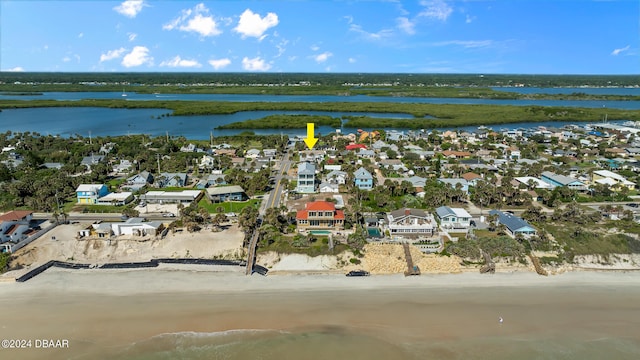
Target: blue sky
{"type": "Point", "coordinates": [406, 36]}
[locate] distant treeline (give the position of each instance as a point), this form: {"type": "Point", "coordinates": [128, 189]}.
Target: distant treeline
{"type": "Point", "coordinates": [321, 79]}
{"type": "Point", "coordinates": [442, 115]}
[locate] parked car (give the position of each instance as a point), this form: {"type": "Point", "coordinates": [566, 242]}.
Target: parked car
{"type": "Point", "coordinates": [169, 215]}
{"type": "Point", "coordinates": [358, 273]}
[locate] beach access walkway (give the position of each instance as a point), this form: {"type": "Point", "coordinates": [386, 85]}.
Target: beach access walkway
{"type": "Point", "coordinates": [411, 269]}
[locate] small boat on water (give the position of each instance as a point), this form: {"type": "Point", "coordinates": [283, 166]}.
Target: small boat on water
{"type": "Point", "coordinates": [124, 94]}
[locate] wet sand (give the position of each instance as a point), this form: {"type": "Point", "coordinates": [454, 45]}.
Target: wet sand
{"type": "Point", "coordinates": [105, 312]}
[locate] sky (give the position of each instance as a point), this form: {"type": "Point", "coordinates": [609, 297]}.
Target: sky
{"type": "Point", "coordinates": [362, 36]}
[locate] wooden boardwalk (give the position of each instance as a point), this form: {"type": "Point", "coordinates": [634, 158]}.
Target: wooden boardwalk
{"type": "Point", "coordinates": [536, 264]}
{"type": "Point", "coordinates": [253, 245]}
{"type": "Point", "coordinates": [490, 266]}
{"type": "Point", "coordinates": [411, 269]}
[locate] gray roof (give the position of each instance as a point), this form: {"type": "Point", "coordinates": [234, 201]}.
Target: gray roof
{"type": "Point", "coordinates": [561, 179]}
{"type": "Point", "coordinates": [220, 190]}
{"type": "Point", "coordinates": [408, 212]}
{"type": "Point", "coordinates": [512, 222]}
{"type": "Point", "coordinates": [362, 173]}
{"type": "Point", "coordinates": [444, 211]}
{"type": "Point", "coordinates": [306, 168]}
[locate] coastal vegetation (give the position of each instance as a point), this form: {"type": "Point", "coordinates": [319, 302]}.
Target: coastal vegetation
{"type": "Point", "coordinates": [390, 84]}
{"type": "Point", "coordinates": [425, 115]}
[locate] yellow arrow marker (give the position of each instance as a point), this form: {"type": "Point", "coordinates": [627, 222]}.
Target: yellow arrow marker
{"type": "Point", "coordinates": [311, 140]}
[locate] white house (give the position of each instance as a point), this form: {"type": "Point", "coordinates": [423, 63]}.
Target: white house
{"type": "Point", "coordinates": [14, 225]}
{"type": "Point", "coordinates": [410, 223]}
{"type": "Point", "coordinates": [453, 218]}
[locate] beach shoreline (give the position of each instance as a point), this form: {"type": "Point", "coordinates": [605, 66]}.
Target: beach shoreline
{"type": "Point", "coordinates": [168, 278]}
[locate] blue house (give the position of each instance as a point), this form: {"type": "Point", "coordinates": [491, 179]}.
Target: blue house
{"type": "Point", "coordinates": [226, 193]}
{"type": "Point", "coordinates": [556, 180]}
{"type": "Point", "coordinates": [514, 225]}
{"type": "Point", "coordinates": [90, 193]}
{"type": "Point", "coordinates": [363, 179]}
{"type": "Point", "coordinates": [453, 182]}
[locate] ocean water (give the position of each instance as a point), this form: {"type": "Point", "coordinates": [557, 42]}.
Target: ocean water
{"type": "Point", "coordinates": [154, 315]}
{"type": "Point", "coordinates": [341, 343]}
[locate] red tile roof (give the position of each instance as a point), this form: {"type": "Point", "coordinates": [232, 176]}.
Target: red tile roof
{"type": "Point", "coordinates": [355, 146]}
{"type": "Point", "coordinates": [320, 206]}
{"type": "Point", "coordinates": [15, 215]}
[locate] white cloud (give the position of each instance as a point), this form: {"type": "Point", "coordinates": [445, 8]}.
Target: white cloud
{"type": "Point", "coordinates": [255, 64]}
{"type": "Point", "coordinates": [252, 25]}
{"type": "Point", "coordinates": [281, 47]}
{"type": "Point", "coordinates": [179, 62]}
{"type": "Point", "coordinates": [315, 47]}
{"type": "Point", "coordinates": [617, 52]}
{"type": "Point", "coordinates": [406, 25]}
{"type": "Point", "coordinates": [201, 22]}
{"type": "Point", "coordinates": [467, 43]}
{"type": "Point", "coordinates": [66, 59]}
{"type": "Point", "coordinates": [15, 69]}
{"type": "Point", "coordinates": [112, 54]}
{"type": "Point", "coordinates": [130, 8]}
{"type": "Point", "coordinates": [320, 58]}
{"type": "Point", "coordinates": [435, 9]}
{"type": "Point", "coordinates": [352, 60]}
{"type": "Point", "coordinates": [384, 33]}
{"type": "Point", "coordinates": [132, 36]}
{"type": "Point", "coordinates": [138, 56]}
{"type": "Point", "coordinates": [219, 63]}
{"type": "Point", "coordinates": [80, 35]}
{"type": "Point", "coordinates": [470, 19]}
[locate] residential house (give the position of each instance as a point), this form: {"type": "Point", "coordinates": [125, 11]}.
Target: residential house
{"type": "Point", "coordinates": [123, 168]}
{"type": "Point", "coordinates": [226, 193]}
{"type": "Point", "coordinates": [410, 222]}
{"type": "Point", "coordinates": [188, 148]}
{"type": "Point", "coordinates": [137, 227]}
{"type": "Point", "coordinates": [138, 181]}
{"type": "Point", "coordinates": [456, 154]}
{"type": "Point", "coordinates": [612, 179]}
{"type": "Point", "coordinates": [206, 162]}
{"type": "Point", "coordinates": [532, 182]}
{"type": "Point", "coordinates": [88, 161]}
{"type": "Point", "coordinates": [90, 193]}
{"type": "Point", "coordinates": [171, 197]}
{"type": "Point", "coordinates": [171, 180]}
{"type": "Point", "coordinates": [252, 153]}
{"type": "Point", "coordinates": [366, 154]}
{"type": "Point", "coordinates": [328, 187]}
{"type": "Point", "coordinates": [320, 215]}
{"type": "Point", "coordinates": [394, 135]}
{"type": "Point", "coordinates": [454, 182]}
{"type": "Point", "coordinates": [563, 181]}
{"type": "Point", "coordinates": [106, 148]}
{"type": "Point", "coordinates": [14, 225]}
{"type": "Point", "coordinates": [52, 165]}
{"type": "Point", "coordinates": [13, 160]}
{"type": "Point", "coordinates": [306, 178]}
{"type": "Point", "coordinates": [363, 179]}
{"type": "Point", "coordinates": [337, 177]}
{"type": "Point", "coordinates": [472, 178]}
{"type": "Point", "coordinates": [453, 218]}
{"type": "Point", "coordinates": [513, 224]}
{"type": "Point", "coordinates": [215, 180]}
{"type": "Point", "coordinates": [116, 199]}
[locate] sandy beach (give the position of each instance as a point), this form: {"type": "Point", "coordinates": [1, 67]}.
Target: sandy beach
{"type": "Point", "coordinates": [106, 311]}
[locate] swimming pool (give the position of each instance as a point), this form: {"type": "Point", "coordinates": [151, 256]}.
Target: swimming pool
{"type": "Point", "coordinates": [319, 232]}
{"type": "Point", "coordinates": [374, 232]}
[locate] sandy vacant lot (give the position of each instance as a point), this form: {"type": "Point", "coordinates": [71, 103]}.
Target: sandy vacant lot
{"type": "Point", "coordinates": [66, 247]}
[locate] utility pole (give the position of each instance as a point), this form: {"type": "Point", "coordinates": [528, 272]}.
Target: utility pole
{"type": "Point", "coordinates": [90, 143]}
{"type": "Point", "coordinates": [158, 157]}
